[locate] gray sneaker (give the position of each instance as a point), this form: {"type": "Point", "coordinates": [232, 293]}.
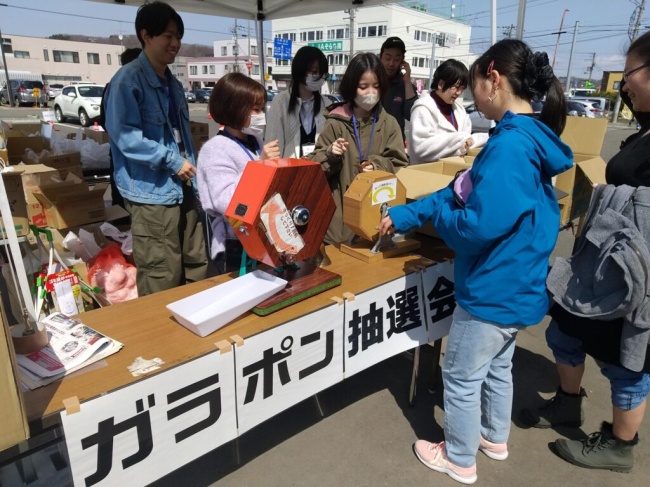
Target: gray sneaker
{"type": "Point", "coordinates": [600, 450]}
{"type": "Point", "coordinates": [561, 410]}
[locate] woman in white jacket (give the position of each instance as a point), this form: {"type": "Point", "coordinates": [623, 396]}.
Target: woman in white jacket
{"type": "Point", "coordinates": [296, 118]}
{"type": "Point", "coordinates": [440, 126]}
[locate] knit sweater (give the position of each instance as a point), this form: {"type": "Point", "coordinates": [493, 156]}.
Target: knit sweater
{"type": "Point", "coordinates": [285, 126]}
{"type": "Point", "coordinates": [220, 165]}
{"type": "Point", "coordinates": [433, 137]}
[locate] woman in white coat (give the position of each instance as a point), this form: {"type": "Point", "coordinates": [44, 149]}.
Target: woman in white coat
{"type": "Point", "coordinates": [296, 118]}
{"type": "Point", "coordinates": [440, 126]}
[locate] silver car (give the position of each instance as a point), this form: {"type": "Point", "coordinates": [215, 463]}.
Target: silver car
{"type": "Point", "coordinates": [479, 122]}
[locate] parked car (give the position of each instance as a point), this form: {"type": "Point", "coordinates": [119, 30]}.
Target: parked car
{"type": "Point", "coordinates": [190, 97]}
{"type": "Point", "coordinates": [479, 122]}
{"type": "Point", "coordinates": [54, 90]}
{"type": "Point", "coordinates": [202, 96]}
{"type": "Point", "coordinates": [22, 92]}
{"type": "Point", "coordinates": [80, 101]}
{"type": "Point", "coordinates": [579, 108]}
{"type": "Point", "coordinates": [600, 105]}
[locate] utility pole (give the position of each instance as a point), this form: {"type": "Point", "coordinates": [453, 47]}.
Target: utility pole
{"type": "Point", "coordinates": [4, 63]}
{"type": "Point", "coordinates": [433, 58]}
{"type": "Point", "coordinates": [235, 67]}
{"type": "Point", "coordinates": [559, 33]}
{"type": "Point", "coordinates": [590, 69]}
{"type": "Point", "coordinates": [352, 12]}
{"type": "Point", "coordinates": [248, 35]}
{"type": "Point", "coordinates": [573, 46]}
{"type": "Point", "coordinates": [507, 31]}
{"type": "Point", "coordinates": [521, 15]}
{"type": "Point", "coordinates": [493, 22]}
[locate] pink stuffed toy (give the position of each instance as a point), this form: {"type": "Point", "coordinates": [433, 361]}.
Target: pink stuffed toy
{"type": "Point", "coordinates": [113, 275]}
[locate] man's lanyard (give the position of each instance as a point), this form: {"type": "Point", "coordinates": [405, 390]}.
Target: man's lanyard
{"type": "Point", "coordinates": [241, 144]}
{"type": "Point", "coordinates": [358, 139]}
{"type": "Point", "coordinates": [172, 107]}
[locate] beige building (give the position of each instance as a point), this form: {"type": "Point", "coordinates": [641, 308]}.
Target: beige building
{"type": "Point", "coordinates": [58, 61]}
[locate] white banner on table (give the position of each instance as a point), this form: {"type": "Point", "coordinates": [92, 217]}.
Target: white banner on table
{"type": "Point", "coordinates": [383, 322]}
{"type": "Point", "coordinates": [142, 432]}
{"type": "Point", "coordinates": [439, 298]}
{"type": "Point", "coordinates": [282, 366]}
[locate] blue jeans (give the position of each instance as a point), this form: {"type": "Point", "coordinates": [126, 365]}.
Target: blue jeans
{"type": "Point", "coordinates": [629, 389]}
{"type": "Point", "coordinates": [477, 376]}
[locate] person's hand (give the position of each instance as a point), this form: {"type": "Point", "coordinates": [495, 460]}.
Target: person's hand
{"type": "Point", "coordinates": [407, 69]}
{"type": "Point", "coordinates": [338, 147]}
{"type": "Point", "coordinates": [271, 150]}
{"type": "Point", "coordinates": [187, 171]}
{"type": "Point", "coordinates": [469, 143]}
{"type": "Point", "coordinates": [386, 226]}
{"type": "Point", "coordinates": [366, 166]}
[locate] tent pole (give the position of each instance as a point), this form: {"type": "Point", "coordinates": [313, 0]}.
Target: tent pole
{"type": "Point", "coordinates": [261, 51]}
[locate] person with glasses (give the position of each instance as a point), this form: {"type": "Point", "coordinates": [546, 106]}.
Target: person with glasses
{"type": "Point", "coordinates": [614, 344]}
{"type": "Point", "coordinates": [440, 126]}
{"type": "Point", "coordinates": [296, 116]}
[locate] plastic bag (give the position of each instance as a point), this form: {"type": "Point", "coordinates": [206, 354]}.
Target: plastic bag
{"type": "Point", "coordinates": [113, 275]}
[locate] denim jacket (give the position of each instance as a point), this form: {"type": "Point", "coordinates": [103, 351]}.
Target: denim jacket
{"type": "Point", "coordinates": [145, 155]}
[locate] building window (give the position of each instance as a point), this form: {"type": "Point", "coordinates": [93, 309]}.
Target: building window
{"type": "Point", "coordinates": [256, 69]}
{"type": "Point", "coordinates": [224, 50]}
{"type": "Point", "coordinates": [193, 70]}
{"type": "Point", "coordinates": [362, 31]}
{"type": "Point", "coordinates": [235, 50]}
{"type": "Point", "coordinates": [269, 52]}
{"type": "Point", "coordinates": [282, 62]}
{"type": "Point", "coordinates": [253, 50]}
{"type": "Point", "coordinates": [109, 61]}
{"type": "Point", "coordinates": [212, 69]}
{"type": "Point", "coordinates": [204, 69]}
{"type": "Point", "coordinates": [341, 59]}
{"type": "Point", "coordinates": [6, 45]}
{"type": "Point", "coordinates": [46, 55]}
{"type": "Point", "coordinates": [21, 54]}
{"type": "Point", "coordinates": [65, 56]}
{"type": "Point", "coordinates": [93, 58]}
{"type": "Point", "coordinates": [372, 31]}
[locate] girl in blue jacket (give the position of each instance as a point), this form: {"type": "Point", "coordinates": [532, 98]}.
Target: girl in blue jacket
{"type": "Point", "coordinates": [503, 232]}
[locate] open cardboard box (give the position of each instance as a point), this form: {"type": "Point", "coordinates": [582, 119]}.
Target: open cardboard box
{"type": "Point", "coordinates": [16, 196]}
{"type": "Point", "coordinates": [585, 136]}
{"type": "Point", "coordinates": [70, 205]}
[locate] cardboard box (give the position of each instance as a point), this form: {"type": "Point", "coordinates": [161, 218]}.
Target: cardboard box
{"type": "Point", "coordinates": [200, 132]}
{"type": "Point", "coordinates": [423, 179]}
{"type": "Point", "coordinates": [585, 136]}
{"type": "Point", "coordinates": [18, 143]}
{"type": "Point", "coordinates": [12, 408]}
{"type": "Point", "coordinates": [100, 136]}
{"type": "Point", "coordinates": [16, 196]}
{"type": "Point", "coordinates": [69, 205]}
{"type": "Point", "coordinates": [67, 163]}
{"type": "Point", "coordinates": [33, 177]}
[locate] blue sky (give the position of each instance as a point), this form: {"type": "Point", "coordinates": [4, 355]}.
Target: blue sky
{"type": "Point", "coordinates": [603, 25]}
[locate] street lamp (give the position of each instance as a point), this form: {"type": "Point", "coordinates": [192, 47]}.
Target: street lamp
{"type": "Point", "coordinates": [4, 63]}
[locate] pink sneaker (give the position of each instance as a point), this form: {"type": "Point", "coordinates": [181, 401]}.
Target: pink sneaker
{"type": "Point", "coordinates": [434, 456]}
{"type": "Point", "coordinates": [496, 451]}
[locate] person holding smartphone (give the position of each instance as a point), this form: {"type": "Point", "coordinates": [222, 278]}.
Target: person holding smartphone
{"type": "Point", "coordinates": [401, 94]}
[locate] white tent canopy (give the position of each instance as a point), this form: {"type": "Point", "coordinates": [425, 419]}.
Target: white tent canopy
{"type": "Point", "coordinates": [258, 10]}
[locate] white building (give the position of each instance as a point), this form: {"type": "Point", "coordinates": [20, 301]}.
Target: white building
{"type": "Point", "coordinates": [58, 61]}
{"type": "Point", "coordinates": [230, 56]}
{"type": "Point", "coordinates": [372, 26]}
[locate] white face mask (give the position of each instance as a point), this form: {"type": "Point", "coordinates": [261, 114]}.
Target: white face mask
{"type": "Point", "coordinates": [256, 127]}
{"type": "Point", "coordinates": [314, 82]}
{"type": "Point", "coordinates": [367, 102]}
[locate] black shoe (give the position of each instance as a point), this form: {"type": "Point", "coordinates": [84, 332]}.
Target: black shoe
{"type": "Point", "coordinates": [561, 410]}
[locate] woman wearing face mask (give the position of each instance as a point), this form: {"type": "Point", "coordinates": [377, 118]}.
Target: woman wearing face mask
{"type": "Point", "coordinates": [440, 127]}
{"type": "Point", "coordinates": [358, 136]}
{"type": "Point", "coordinates": [296, 118]}
{"type": "Point", "coordinates": [237, 102]}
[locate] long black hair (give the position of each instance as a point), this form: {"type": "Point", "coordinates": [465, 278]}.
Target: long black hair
{"type": "Point", "coordinates": [301, 64]}
{"type": "Point", "coordinates": [530, 76]}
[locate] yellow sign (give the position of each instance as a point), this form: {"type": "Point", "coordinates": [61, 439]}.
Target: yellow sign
{"type": "Point", "coordinates": [36, 92]}
{"type": "Point", "coordinates": [267, 77]}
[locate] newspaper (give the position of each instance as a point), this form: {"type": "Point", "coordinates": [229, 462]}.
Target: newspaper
{"type": "Point", "coordinates": [72, 346]}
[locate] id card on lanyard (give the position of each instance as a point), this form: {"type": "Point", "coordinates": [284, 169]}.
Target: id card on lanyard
{"type": "Point", "coordinates": [357, 138]}
{"type": "Point", "coordinates": [174, 119]}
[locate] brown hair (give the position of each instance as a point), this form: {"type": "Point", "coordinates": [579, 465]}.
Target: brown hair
{"type": "Point", "coordinates": [233, 98]}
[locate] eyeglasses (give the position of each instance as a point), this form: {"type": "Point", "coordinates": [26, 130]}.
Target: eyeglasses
{"type": "Point", "coordinates": [627, 74]}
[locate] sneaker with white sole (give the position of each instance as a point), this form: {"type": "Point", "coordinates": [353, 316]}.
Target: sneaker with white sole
{"type": "Point", "coordinates": [434, 456]}
{"type": "Point", "coordinates": [495, 451]}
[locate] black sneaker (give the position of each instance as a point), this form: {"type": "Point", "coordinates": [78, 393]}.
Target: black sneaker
{"type": "Point", "coordinates": [561, 410]}
{"type": "Point", "coordinates": [600, 450]}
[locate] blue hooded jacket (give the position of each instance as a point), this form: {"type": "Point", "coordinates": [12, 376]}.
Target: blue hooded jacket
{"type": "Point", "coordinates": [505, 234]}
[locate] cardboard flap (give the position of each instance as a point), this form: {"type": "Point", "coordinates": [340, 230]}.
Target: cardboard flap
{"type": "Point", "coordinates": [585, 135]}
{"type": "Point", "coordinates": [594, 170]}
{"type": "Point", "coordinates": [57, 193]}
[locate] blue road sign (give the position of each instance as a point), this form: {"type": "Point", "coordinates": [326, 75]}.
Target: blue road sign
{"type": "Point", "coordinates": [281, 48]}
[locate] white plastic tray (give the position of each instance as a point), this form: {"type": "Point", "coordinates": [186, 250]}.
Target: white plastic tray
{"type": "Point", "coordinates": [207, 311]}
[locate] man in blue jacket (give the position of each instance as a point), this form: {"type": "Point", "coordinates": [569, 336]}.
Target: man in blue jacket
{"type": "Point", "coordinates": [147, 121]}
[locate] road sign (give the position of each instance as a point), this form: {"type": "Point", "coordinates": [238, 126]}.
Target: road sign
{"type": "Point", "coordinates": [282, 48]}
{"type": "Point", "coordinates": [249, 65]}
{"type": "Point", "coordinates": [327, 45]}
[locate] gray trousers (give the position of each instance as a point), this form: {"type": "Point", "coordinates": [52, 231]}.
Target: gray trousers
{"type": "Point", "coordinates": [168, 244]}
